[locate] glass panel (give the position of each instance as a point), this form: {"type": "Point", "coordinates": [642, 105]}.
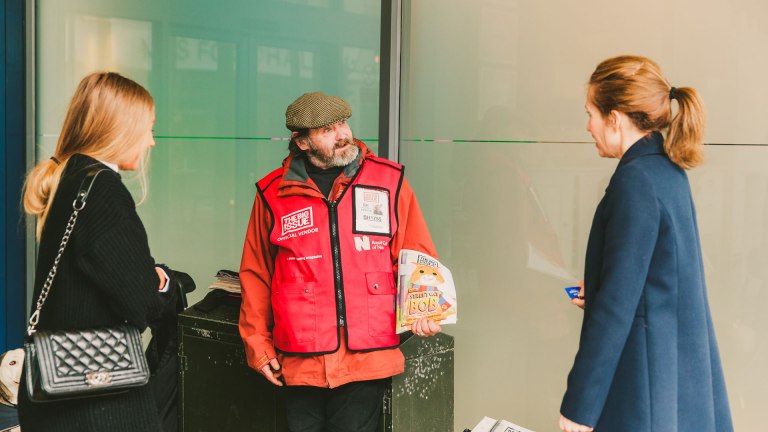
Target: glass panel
{"type": "Point", "coordinates": [492, 135]}
{"type": "Point", "coordinates": [222, 74]}
{"type": "Point", "coordinates": [514, 235]}
{"type": "Point", "coordinates": [517, 70]}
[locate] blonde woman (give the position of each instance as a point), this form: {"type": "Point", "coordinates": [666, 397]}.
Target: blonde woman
{"type": "Point", "coordinates": [648, 358]}
{"type": "Point", "coordinates": [106, 275]}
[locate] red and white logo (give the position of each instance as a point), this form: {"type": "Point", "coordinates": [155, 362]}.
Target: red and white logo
{"type": "Point", "coordinates": [297, 220]}
{"type": "Point", "coordinates": [365, 243]}
{"type": "Point", "coordinates": [371, 197]}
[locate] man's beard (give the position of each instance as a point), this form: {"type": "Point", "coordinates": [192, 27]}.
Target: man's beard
{"type": "Point", "coordinates": [333, 158]}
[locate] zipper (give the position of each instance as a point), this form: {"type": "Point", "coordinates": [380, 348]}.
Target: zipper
{"type": "Point", "coordinates": [336, 255]}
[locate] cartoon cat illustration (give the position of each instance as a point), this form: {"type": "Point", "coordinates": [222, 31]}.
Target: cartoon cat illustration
{"type": "Point", "coordinates": [425, 290]}
{"type": "Point", "coordinates": [424, 298]}
{"type": "Point", "coordinates": [426, 276]}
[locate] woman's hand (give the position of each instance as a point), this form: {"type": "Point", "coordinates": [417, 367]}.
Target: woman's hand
{"type": "Point", "coordinates": [579, 301]}
{"type": "Point", "coordinates": [425, 327]}
{"type": "Point", "coordinates": [161, 274]}
{"type": "Point", "coordinates": [569, 426]}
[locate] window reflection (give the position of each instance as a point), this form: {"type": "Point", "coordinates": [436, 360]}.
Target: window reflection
{"type": "Point", "coordinates": [110, 44]}
{"type": "Point", "coordinates": [274, 61]}
{"type": "Point", "coordinates": [196, 54]}
{"type": "Point", "coordinates": [222, 74]}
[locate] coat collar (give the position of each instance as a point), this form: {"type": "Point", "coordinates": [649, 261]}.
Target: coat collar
{"type": "Point", "coordinates": [652, 143]}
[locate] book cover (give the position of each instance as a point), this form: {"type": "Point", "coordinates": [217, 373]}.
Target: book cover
{"type": "Point", "coordinates": [424, 289]}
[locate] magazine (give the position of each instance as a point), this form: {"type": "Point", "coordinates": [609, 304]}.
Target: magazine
{"type": "Point", "coordinates": [424, 289]}
{"type": "Point", "coordinates": [488, 424]}
{"type": "Point", "coordinates": [226, 280]}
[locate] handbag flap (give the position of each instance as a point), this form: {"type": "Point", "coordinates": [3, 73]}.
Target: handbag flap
{"type": "Point", "coordinates": [75, 361]}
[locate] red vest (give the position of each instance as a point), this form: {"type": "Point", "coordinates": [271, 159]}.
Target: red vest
{"type": "Point", "coordinates": [333, 265]}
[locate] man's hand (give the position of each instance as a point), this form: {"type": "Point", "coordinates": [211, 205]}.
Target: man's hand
{"type": "Point", "coordinates": [569, 426]}
{"type": "Point", "coordinates": [580, 300]}
{"type": "Point", "coordinates": [272, 372]}
{"type": "Point", "coordinates": [425, 327]}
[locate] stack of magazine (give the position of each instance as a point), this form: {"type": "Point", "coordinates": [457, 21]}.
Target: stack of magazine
{"type": "Point", "coordinates": [488, 424]}
{"type": "Point", "coordinates": [227, 280]}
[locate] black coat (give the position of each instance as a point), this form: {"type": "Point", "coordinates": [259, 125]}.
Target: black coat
{"type": "Point", "coordinates": [106, 276]}
{"type": "Point", "coordinates": [648, 358]}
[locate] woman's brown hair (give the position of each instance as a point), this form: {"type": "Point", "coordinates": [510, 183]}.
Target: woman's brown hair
{"type": "Point", "coordinates": [106, 119]}
{"type": "Point", "coordinates": [635, 86]}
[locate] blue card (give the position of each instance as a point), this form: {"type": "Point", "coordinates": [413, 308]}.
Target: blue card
{"type": "Point", "coordinates": [573, 292]}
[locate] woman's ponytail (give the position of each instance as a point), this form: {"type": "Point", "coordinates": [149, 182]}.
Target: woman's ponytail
{"type": "Point", "coordinates": [686, 131]}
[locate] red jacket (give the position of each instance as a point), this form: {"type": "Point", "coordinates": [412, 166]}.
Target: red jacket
{"type": "Point", "coordinates": [333, 267]}
{"type": "Point", "coordinates": [258, 267]}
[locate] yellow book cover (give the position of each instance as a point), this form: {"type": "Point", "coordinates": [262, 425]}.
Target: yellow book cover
{"type": "Point", "coordinates": [424, 289]}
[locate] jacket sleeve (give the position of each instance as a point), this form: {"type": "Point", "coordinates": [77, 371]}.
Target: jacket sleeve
{"type": "Point", "coordinates": [120, 263]}
{"type": "Point", "coordinates": [631, 222]}
{"type": "Point", "coordinates": [256, 268]}
{"type": "Point", "coordinates": [412, 232]}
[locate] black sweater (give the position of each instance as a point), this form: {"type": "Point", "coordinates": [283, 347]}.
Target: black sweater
{"type": "Point", "coordinates": [106, 276]}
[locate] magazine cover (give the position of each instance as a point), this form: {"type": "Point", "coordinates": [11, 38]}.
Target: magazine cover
{"type": "Point", "coordinates": [424, 289]}
{"type": "Point", "coordinates": [488, 424]}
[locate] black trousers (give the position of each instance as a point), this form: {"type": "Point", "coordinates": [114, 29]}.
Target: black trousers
{"type": "Point", "coordinates": [353, 407]}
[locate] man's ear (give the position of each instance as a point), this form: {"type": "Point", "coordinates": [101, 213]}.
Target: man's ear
{"type": "Point", "coordinates": [301, 142]}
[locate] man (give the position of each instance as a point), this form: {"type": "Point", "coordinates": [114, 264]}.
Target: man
{"type": "Point", "coordinates": [318, 270]}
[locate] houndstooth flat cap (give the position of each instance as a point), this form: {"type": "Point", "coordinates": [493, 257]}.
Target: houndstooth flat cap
{"type": "Point", "coordinates": [314, 110]}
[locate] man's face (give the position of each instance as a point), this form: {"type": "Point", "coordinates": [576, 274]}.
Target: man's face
{"type": "Point", "coordinates": [330, 146]}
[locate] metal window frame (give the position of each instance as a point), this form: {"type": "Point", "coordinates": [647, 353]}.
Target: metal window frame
{"type": "Point", "coordinates": [14, 263]}
{"type": "Point", "coordinates": [31, 145]}
{"type": "Point", "coordinates": [389, 79]}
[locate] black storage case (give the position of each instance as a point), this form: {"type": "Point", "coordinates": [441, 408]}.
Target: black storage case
{"type": "Point", "coordinates": [218, 392]}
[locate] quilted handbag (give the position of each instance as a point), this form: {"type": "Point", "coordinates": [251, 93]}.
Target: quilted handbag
{"type": "Point", "coordinates": [68, 364]}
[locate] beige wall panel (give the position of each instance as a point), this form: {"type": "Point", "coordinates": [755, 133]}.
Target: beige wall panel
{"type": "Point", "coordinates": [493, 137]}
{"type": "Point", "coordinates": [513, 69]}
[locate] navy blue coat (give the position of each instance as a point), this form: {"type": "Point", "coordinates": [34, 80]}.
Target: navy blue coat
{"type": "Point", "coordinates": [647, 359]}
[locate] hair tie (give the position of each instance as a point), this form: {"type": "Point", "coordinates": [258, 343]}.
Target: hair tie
{"type": "Point", "coordinates": [672, 93]}
{"type": "Point", "coordinates": [53, 158]}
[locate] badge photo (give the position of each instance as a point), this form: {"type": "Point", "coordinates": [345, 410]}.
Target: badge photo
{"type": "Point", "coordinates": [371, 207]}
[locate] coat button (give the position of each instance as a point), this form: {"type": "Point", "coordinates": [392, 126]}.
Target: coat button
{"type": "Point", "coordinates": [306, 290]}
{"type": "Point", "coordinates": [375, 286]}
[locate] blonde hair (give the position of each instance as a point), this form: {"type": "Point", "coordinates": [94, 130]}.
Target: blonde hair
{"type": "Point", "coordinates": [635, 86]}
{"type": "Point", "coordinates": [108, 115]}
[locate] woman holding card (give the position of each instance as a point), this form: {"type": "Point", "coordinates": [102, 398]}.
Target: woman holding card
{"type": "Point", "coordinates": [647, 359]}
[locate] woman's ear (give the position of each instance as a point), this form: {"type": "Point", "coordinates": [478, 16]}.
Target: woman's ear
{"type": "Point", "coordinates": [614, 119]}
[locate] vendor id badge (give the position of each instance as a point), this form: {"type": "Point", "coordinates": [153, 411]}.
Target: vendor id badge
{"type": "Point", "coordinates": [371, 210]}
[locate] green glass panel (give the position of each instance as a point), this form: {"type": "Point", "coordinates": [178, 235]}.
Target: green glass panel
{"type": "Point", "coordinates": [222, 74]}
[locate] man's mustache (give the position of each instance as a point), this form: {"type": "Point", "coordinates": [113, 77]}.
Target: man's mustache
{"type": "Point", "coordinates": [343, 142]}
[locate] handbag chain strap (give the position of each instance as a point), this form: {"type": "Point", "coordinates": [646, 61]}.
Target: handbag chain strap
{"type": "Point", "coordinates": [77, 205]}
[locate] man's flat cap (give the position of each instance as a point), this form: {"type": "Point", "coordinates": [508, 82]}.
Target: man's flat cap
{"type": "Point", "coordinates": [315, 110]}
